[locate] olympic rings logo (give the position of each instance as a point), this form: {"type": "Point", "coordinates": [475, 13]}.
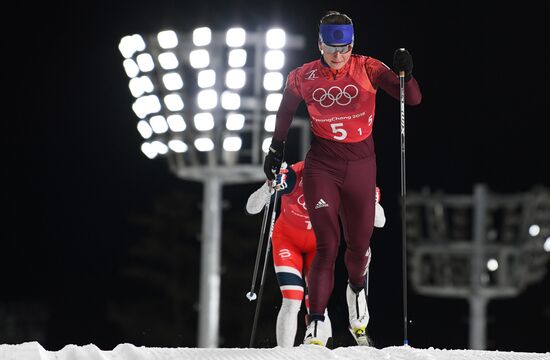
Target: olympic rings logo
{"type": "Point", "coordinates": [327, 98]}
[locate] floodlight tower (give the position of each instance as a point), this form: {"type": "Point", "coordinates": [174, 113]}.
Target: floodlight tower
{"type": "Point", "coordinates": [478, 247]}
{"type": "Point", "coordinates": [206, 102]}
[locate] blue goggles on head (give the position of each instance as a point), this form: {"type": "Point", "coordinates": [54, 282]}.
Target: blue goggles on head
{"type": "Point", "coordinates": [331, 34]}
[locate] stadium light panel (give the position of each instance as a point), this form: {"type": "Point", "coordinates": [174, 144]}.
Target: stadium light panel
{"type": "Point", "coordinates": [234, 121]}
{"type": "Point", "coordinates": [145, 62]}
{"type": "Point", "coordinates": [168, 60]}
{"type": "Point", "coordinates": [232, 143]}
{"type": "Point", "coordinates": [199, 59]}
{"type": "Point", "coordinates": [206, 78]}
{"type": "Point", "coordinates": [235, 37]}
{"type": "Point", "coordinates": [274, 60]}
{"type": "Point", "coordinates": [173, 102]}
{"type": "Point", "coordinates": [176, 123]}
{"type": "Point", "coordinates": [235, 79]}
{"type": "Point", "coordinates": [202, 36]}
{"type": "Point", "coordinates": [131, 68]}
{"type": "Point", "coordinates": [167, 39]}
{"type": "Point", "coordinates": [144, 129]}
{"type": "Point", "coordinates": [204, 144]}
{"type": "Point", "coordinates": [203, 121]}
{"type": "Point", "coordinates": [275, 38]}
{"type": "Point", "coordinates": [158, 124]}
{"type": "Point", "coordinates": [172, 81]}
{"type": "Point", "coordinates": [207, 99]}
{"type": "Point", "coordinates": [177, 146]}
{"type": "Point", "coordinates": [236, 58]}
{"type": "Point", "coordinates": [273, 81]}
{"type": "Point", "coordinates": [231, 100]}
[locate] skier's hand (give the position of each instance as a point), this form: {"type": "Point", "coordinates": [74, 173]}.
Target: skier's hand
{"type": "Point", "coordinates": [402, 61]}
{"type": "Point", "coordinates": [280, 180]}
{"type": "Point", "coordinates": [274, 159]}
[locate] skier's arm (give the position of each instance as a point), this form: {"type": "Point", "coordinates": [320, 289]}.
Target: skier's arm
{"type": "Point", "coordinates": [287, 108]}
{"type": "Point", "coordinates": [382, 76]}
{"type": "Point", "coordinates": [389, 82]}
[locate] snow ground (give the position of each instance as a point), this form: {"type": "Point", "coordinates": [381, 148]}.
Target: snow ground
{"type": "Point", "coordinates": [34, 351]}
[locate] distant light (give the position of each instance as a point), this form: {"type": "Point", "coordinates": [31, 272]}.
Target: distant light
{"type": "Point", "coordinates": [168, 60]}
{"type": "Point", "coordinates": [207, 99]}
{"type": "Point", "coordinates": [204, 144]}
{"type": "Point", "coordinates": [265, 144]}
{"type": "Point", "coordinates": [202, 36]}
{"type": "Point", "coordinates": [274, 60]}
{"type": "Point", "coordinates": [234, 121]}
{"type": "Point", "coordinates": [199, 59]}
{"type": "Point", "coordinates": [178, 146]}
{"type": "Point", "coordinates": [203, 121]}
{"type": "Point", "coordinates": [232, 143]}
{"type": "Point", "coordinates": [206, 78]}
{"type": "Point", "coordinates": [492, 265]}
{"type": "Point", "coordinates": [273, 81]}
{"type": "Point", "coordinates": [231, 100]}
{"type": "Point", "coordinates": [160, 147]}
{"type": "Point", "coordinates": [144, 129]}
{"type": "Point", "coordinates": [172, 81]}
{"type": "Point", "coordinates": [167, 39]}
{"type": "Point", "coordinates": [534, 230]}
{"type": "Point", "coordinates": [146, 105]}
{"type": "Point", "coordinates": [235, 37]}
{"type": "Point", "coordinates": [131, 68]}
{"type": "Point", "coordinates": [237, 58]}
{"type": "Point", "coordinates": [269, 124]}
{"type": "Point", "coordinates": [158, 124]}
{"type": "Point", "coordinates": [173, 102]}
{"type": "Point", "coordinates": [149, 150]}
{"type": "Point", "coordinates": [547, 244]}
{"type": "Point", "coordinates": [235, 79]}
{"type": "Point", "coordinates": [145, 62]}
{"type": "Point", "coordinates": [176, 123]}
{"type": "Point", "coordinates": [275, 38]}
{"type": "Point", "coordinates": [272, 101]}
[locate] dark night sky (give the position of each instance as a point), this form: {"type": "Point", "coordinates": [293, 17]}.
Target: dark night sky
{"type": "Point", "coordinates": [77, 177]}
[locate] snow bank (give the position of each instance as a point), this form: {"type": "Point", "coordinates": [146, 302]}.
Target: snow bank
{"type": "Point", "coordinates": [34, 351]}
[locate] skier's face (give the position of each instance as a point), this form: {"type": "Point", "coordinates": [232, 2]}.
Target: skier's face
{"type": "Point", "coordinates": [336, 56]}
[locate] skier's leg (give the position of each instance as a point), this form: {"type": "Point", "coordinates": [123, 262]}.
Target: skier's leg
{"type": "Point", "coordinates": [287, 322]}
{"type": "Point", "coordinates": [322, 197]}
{"type": "Point", "coordinates": [288, 263]}
{"type": "Point", "coordinates": [357, 214]}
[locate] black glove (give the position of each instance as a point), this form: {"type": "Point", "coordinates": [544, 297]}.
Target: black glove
{"type": "Point", "coordinates": [403, 61]}
{"type": "Point", "coordinates": [274, 159]}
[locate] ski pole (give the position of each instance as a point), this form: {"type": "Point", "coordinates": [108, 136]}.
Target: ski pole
{"type": "Point", "coordinates": [403, 205]}
{"type": "Point", "coordinates": [267, 249]}
{"type": "Point", "coordinates": [251, 295]}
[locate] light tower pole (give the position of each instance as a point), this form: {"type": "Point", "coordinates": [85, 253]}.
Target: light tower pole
{"type": "Point", "coordinates": [477, 247]}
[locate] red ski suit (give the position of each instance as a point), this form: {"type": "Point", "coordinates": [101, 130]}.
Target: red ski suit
{"type": "Point", "coordinates": [340, 167]}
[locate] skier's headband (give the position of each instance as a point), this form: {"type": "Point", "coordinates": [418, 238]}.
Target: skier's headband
{"type": "Point", "coordinates": [332, 34]}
